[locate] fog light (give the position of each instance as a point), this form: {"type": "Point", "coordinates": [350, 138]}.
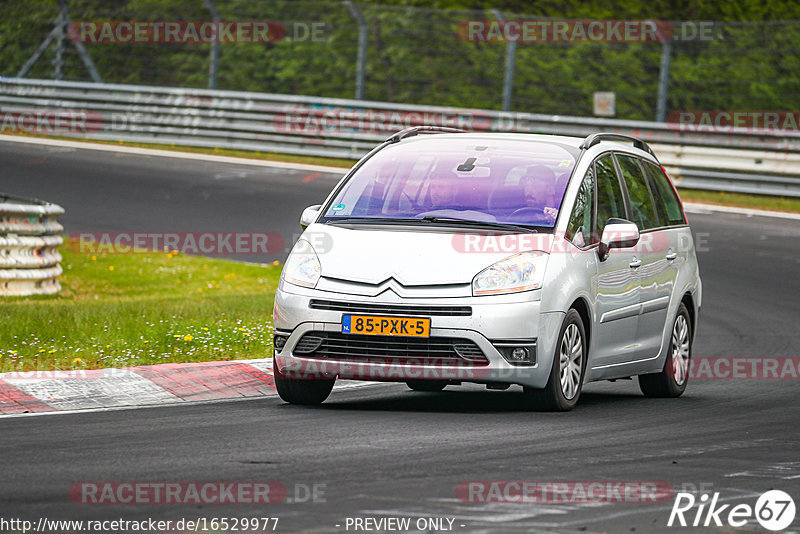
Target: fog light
{"type": "Point", "coordinates": [517, 352]}
{"type": "Point", "coordinates": [279, 342]}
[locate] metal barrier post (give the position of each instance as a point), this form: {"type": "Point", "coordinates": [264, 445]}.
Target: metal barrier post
{"type": "Point", "coordinates": [61, 32]}
{"type": "Point", "coordinates": [361, 60]}
{"type": "Point", "coordinates": [663, 81]}
{"type": "Point", "coordinates": [510, 63]}
{"type": "Point", "coordinates": [213, 56]}
{"type": "Point", "coordinates": [58, 32]}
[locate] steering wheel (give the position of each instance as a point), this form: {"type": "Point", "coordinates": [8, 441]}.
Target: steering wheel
{"type": "Point", "coordinates": [530, 215]}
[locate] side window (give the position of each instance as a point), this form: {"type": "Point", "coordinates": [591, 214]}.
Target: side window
{"type": "Point", "coordinates": [672, 204]}
{"type": "Point", "coordinates": [579, 229]}
{"type": "Point", "coordinates": [642, 208]}
{"type": "Point", "coordinates": [660, 209]}
{"type": "Point", "coordinates": [609, 193]}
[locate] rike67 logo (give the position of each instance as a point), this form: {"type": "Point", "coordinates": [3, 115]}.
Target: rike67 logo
{"type": "Point", "coordinates": [774, 510]}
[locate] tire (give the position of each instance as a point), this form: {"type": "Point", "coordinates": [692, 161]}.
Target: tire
{"type": "Point", "coordinates": [672, 380]}
{"type": "Point", "coordinates": [304, 392]}
{"type": "Point", "coordinates": [562, 395]}
{"type": "Point", "coordinates": [426, 385]}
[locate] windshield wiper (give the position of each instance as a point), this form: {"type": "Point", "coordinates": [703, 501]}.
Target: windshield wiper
{"type": "Point", "coordinates": [389, 220]}
{"type": "Point", "coordinates": [432, 219]}
{"type": "Point", "coordinates": [470, 222]}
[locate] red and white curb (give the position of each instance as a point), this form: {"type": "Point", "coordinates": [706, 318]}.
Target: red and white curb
{"type": "Point", "coordinates": [54, 391]}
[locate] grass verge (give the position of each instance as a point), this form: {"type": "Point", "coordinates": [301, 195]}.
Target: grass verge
{"type": "Point", "coordinates": [741, 200]}
{"type": "Point", "coordinates": [139, 309]}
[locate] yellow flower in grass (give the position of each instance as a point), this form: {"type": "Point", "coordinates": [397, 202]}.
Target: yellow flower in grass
{"type": "Point", "coordinates": [205, 329]}
{"type": "Point", "coordinates": [77, 361]}
{"type": "Point", "coordinates": [110, 267]}
{"type": "Point", "coordinates": [51, 352]}
{"type": "Point", "coordinates": [187, 337]}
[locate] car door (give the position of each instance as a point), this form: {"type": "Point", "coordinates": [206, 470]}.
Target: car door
{"type": "Point", "coordinates": [616, 282]}
{"type": "Point", "coordinates": [657, 271]}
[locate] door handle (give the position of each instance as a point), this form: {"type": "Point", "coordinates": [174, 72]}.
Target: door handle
{"type": "Point", "coordinates": [671, 256]}
{"type": "Point", "coordinates": [636, 263]}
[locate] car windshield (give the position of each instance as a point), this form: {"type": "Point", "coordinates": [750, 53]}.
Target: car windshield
{"type": "Point", "coordinates": [478, 179]}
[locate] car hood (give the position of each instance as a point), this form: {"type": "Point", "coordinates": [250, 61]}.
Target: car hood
{"type": "Point", "coordinates": [425, 257]}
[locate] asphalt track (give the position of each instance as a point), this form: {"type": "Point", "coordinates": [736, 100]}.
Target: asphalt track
{"type": "Point", "coordinates": [384, 451]}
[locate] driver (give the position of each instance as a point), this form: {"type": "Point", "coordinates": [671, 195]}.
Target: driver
{"type": "Point", "coordinates": [539, 188]}
{"type": "Point", "coordinates": [442, 189]}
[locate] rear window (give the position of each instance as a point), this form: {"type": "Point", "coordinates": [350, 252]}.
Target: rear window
{"type": "Point", "coordinates": [482, 179]}
{"type": "Point", "coordinates": [667, 195]}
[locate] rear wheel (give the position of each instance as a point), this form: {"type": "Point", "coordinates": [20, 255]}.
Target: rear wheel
{"type": "Point", "coordinates": [426, 385]}
{"type": "Point", "coordinates": [671, 381]}
{"type": "Point", "coordinates": [569, 367]}
{"type": "Point", "coordinates": [299, 391]}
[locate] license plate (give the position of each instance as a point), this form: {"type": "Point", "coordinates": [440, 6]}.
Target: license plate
{"type": "Point", "coordinates": [372, 325]}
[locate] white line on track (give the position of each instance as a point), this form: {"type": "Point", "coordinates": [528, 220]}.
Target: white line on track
{"type": "Point", "coordinates": [173, 154]}
{"type": "Point", "coordinates": [692, 207]}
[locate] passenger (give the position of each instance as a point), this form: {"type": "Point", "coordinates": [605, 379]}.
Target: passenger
{"type": "Point", "coordinates": [539, 189]}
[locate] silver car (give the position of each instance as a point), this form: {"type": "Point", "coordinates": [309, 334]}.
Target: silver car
{"type": "Point", "coordinates": [498, 259]}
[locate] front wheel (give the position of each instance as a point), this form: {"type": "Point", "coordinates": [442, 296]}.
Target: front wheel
{"type": "Point", "coordinates": [567, 372]}
{"type": "Point", "coordinates": [297, 391]}
{"type": "Point", "coordinates": [671, 381]}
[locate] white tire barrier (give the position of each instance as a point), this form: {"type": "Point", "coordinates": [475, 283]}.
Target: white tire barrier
{"type": "Point", "coordinates": [29, 241]}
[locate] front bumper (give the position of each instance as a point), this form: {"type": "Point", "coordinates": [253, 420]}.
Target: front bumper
{"type": "Point", "coordinates": [493, 320]}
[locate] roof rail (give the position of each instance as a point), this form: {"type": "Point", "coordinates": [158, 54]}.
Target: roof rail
{"type": "Point", "coordinates": [595, 138]}
{"type": "Point", "coordinates": [416, 130]}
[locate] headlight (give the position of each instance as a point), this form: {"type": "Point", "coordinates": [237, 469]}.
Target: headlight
{"type": "Point", "coordinates": [302, 267]}
{"type": "Point", "coordinates": [521, 272]}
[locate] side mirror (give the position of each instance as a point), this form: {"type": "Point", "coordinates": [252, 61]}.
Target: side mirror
{"type": "Point", "coordinates": [309, 215]}
{"type": "Point", "coordinates": [618, 233]}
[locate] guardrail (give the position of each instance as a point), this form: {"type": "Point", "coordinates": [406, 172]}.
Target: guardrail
{"type": "Point", "coordinates": [764, 162]}
{"type": "Point", "coordinates": [29, 240]}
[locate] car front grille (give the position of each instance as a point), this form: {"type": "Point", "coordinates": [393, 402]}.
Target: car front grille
{"type": "Point", "coordinates": [390, 349]}
{"type": "Point", "coordinates": [391, 309]}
